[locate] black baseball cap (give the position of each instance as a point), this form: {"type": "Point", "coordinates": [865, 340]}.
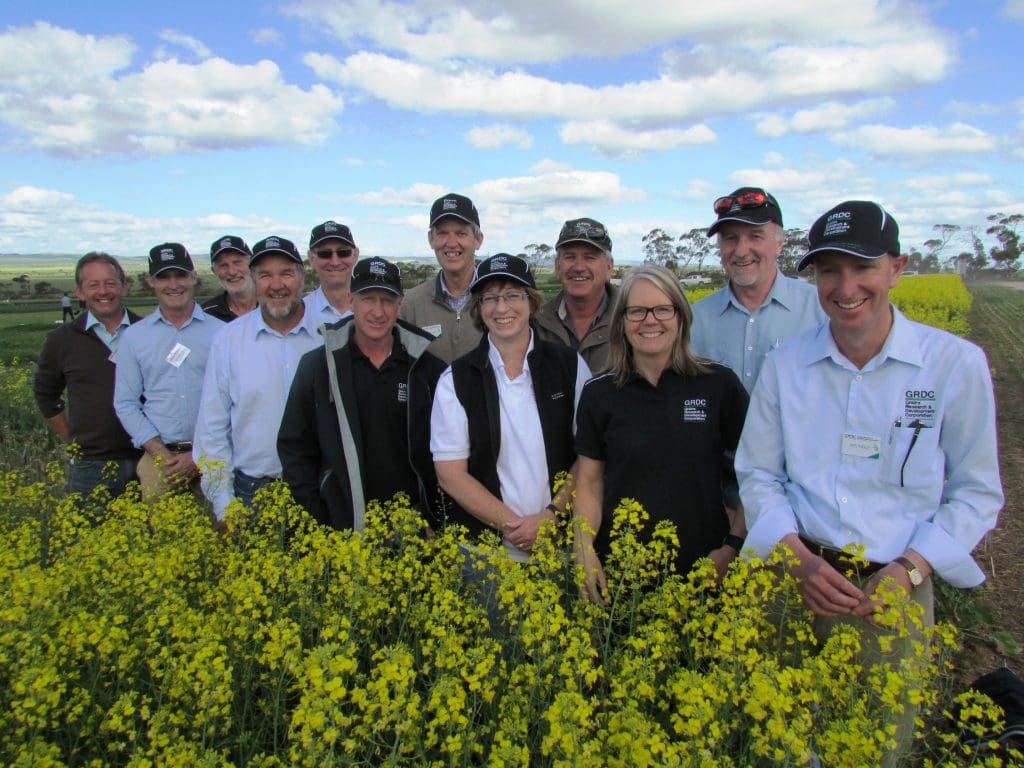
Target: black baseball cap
{"type": "Point", "coordinates": [169, 256]}
{"type": "Point", "coordinates": [858, 227]}
{"type": "Point", "coordinates": [749, 205]}
{"type": "Point", "coordinates": [275, 244]}
{"type": "Point", "coordinates": [589, 231]}
{"type": "Point", "coordinates": [459, 206]}
{"type": "Point", "coordinates": [503, 265]}
{"type": "Point", "coordinates": [331, 230]}
{"type": "Point", "coordinates": [228, 243]}
{"type": "Point", "coordinates": [376, 272]}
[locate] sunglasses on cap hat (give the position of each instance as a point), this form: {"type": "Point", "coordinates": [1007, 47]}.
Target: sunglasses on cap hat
{"type": "Point", "coordinates": [754, 198]}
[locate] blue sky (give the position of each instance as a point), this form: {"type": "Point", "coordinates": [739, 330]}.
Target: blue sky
{"type": "Point", "coordinates": [123, 125]}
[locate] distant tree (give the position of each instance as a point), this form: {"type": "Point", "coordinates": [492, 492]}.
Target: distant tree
{"type": "Point", "coordinates": [24, 282]}
{"type": "Point", "coordinates": [42, 288]}
{"type": "Point", "coordinates": [694, 246]}
{"type": "Point", "coordinates": [913, 260]}
{"type": "Point", "coordinates": [794, 249]}
{"type": "Point", "coordinates": [539, 254]}
{"type": "Point", "coordinates": [936, 245]}
{"type": "Point", "coordinates": [1006, 254]}
{"type": "Point", "coordinates": [659, 248]}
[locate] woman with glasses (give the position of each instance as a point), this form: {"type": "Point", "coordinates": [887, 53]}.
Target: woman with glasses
{"type": "Point", "coordinates": [655, 428]}
{"type": "Point", "coordinates": [503, 414]}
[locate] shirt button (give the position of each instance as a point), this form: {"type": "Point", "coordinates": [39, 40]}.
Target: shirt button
{"type": "Point", "coordinates": [750, 349]}
{"type": "Point", "coordinates": [748, 374]}
{"type": "Point", "coordinates": [858, 377]}
{"type": "Point", "coordinates": [843, 499]}
{"type": "Point", "coordinates": [751, 321]}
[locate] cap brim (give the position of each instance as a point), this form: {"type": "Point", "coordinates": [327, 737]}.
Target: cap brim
{"type": "Point", "coordinates": [507, 275]}
{"type": "Point", "coordinates": [751, 218]}
{"type": "Point", "coordinates": [279, 251]}
{"type": "Point", "coordinates": [391, 288]}
{"type": "Point", "coordinates": [219, 251]}
{"type": "Point", "coordinates": [331, 237]}
{"type": "Point", "coordinates": [178, 267]}
{"type": "Point", "coordinates": [453, 215]}
{"type": "Point", "coordinates": [837, 248]}
{"type": "Point", "coordinates": [563, 243]}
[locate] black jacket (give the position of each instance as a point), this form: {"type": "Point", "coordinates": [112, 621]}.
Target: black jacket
{"type": "Point", "coordinates": [77, 360]}
{"type": "Point", "coordinates": [319, 441]}
{"type": "Point", "coordinates": [553, 370]}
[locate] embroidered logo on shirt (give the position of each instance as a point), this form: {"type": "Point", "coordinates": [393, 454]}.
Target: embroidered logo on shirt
{"type": "Point", "coordinates": [557, 395]}
{"type": "Point", "coordinates": [919, 405]}
{"type": "Point", "coordinates": [403, 392]}
{"type": "Point", "coordinates": [695, 410]}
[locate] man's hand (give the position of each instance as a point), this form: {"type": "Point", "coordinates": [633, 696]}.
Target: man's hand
{"type": "Point", "coordinates": [826, 591]}
{"type": "Point", "coordinates": [871, 602]}
{"type": "Point", "coordinates": [721, 557]}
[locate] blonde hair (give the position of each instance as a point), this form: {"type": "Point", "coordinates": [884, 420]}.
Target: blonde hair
{"type": "Point", "coordinates": [683, 360]}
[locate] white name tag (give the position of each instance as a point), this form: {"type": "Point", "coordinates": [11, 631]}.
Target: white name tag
{"type": "Point", "coordinates": [433, 330]}
{"type": "Point", "coordinates": [862, 446]}
{"type": "Point", "coordinates": [178, 354]}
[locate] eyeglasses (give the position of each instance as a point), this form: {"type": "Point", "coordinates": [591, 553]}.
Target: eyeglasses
{"type": "Point", "coordinates": [341, 253]}
{"type": "Point", "coordinates": [755, 198]}
{"type": "Point", "coordinates": [660, 312]}
{"type": "Point", "coordinates": [509, 297]}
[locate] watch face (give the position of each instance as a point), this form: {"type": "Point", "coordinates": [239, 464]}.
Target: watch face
{"type": "Point", "coordinates": [916, 578]}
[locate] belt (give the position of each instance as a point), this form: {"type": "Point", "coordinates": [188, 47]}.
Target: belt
{"type": "Point", "coordinates": [842, 561]}
{"type": "Point", "coordinates": [181, 447]}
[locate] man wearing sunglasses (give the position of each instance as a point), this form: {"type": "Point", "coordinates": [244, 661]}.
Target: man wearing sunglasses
{"type": "Point", "coordinates": [872, 430]}
{"type": "Point", "coordinates": [759, 308]}
{"type": "Point", "coordinates": [332, 254]}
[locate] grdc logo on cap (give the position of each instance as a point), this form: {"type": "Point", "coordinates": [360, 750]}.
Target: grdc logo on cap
{"type": "Point", "coordinates": [166, 254]}
{"type": "Point", "coordinates": [450, 205]}
{"type": "Point", "coordinates": [378, 269]}
{"type": "Point", "coordinates": [271, 242]}
{"type": "Point", "coordinates": [226, 243]}
{"type": "Point", "coordinates": [499, 263]}
{"type": "Point", "coordinates": [330, 226]}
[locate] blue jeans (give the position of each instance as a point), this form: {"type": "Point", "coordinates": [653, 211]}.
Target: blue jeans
{"type": "Point", "coordinates": [247, 485]}
{"type": "Point", "coordinates": [86, 474]}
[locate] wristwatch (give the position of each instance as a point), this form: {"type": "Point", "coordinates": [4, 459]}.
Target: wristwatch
{"type": "Point", "coordinates": [916, 577]}
{"type": "Point", "coordinates": [734, 541]}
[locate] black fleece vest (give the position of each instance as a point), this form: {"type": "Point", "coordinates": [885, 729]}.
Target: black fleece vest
{"type": "Point", "coordinates": [553, 373]}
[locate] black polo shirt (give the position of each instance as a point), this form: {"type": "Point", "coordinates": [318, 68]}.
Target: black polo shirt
{"type": "Point", "coordinates": [382, 396]}
{"type": "Point", "coordinates": [664, 446]}
{"type": "Point", "coordinates": [218, 307]}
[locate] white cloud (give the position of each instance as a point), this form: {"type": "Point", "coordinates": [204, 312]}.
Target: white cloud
{"type": "Point", "coordinates": [613, 140]}
{"type": "Point", "coordinates": [1014, 9]}
{"type": "Point", "coordinates": [189, 43]}
{"type": "Point", "coordinates": [532, 31]}
{"type": "Point", "coordinates": [265, 36]}
{"type": "Point", "coordinates": [496, 136]}
{"type": "Point", "coordinates": [57, 222]}
{"type": "Point", "coordinates": [935, 183]}
{"type": "Point", "coordinates": [918, 140]}
{"type": "Point", "coordinates": [829, 116]}
{"type": "Point", "coordinates": [69, 94]}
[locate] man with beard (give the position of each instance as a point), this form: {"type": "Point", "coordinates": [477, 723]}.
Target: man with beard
{"type": "Point", "coordinates": [248, 375]}
{"type": "Point", "coordinates": [229, 257]}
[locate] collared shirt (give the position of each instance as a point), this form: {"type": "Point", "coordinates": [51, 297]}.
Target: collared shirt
{"type": "Point", "coordinates": [563, 315]}
{"type": "Point", "coordinates": [159, 376]}
{"type": "Point", "coordinates": [897, 455]}
{"type": "Point", "coordinates": [728, 333]}
{"type": "Point", "coordinates": [522, 464]}
{"type": "Point", "coordinates": [322, 311]}
{"type": "Point", "coordinates": [248, 374]}
{"type": "Point", "coordinates": [456, 303]}
{"type": "Point", "coordinates": [108, 338]}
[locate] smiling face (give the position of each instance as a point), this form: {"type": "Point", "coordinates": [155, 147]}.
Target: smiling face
{"type": "Point", "coordinates": [505, 310]}
{"type": "Point", "coordinates": [279, 281]}
{"type": "Point", "coordinates": [232, 271]}
{"type": "Point", "coordinates": [174, 289]}
{"type": "Point", "coordinates": [332, 260]}
{"type": "Point", "coordinates": [102, 291]}
{"type": "Point", "coordinates": [583, 270]}
{"type": "Point", "coordinates": [455, 243]}
{"type": "Point", "coordinates": [374, 312]}
{"type": "Point", "coordinates": [750, 252]}
{"type": "Point", "coordinates": [651, 339]}
{"type": "Point", "coordinates": [854, 292]}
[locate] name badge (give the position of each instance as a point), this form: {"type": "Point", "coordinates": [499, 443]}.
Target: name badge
{"type": "Point", "coordinates": [178, 354]}
{"type": "Point", "coordinates": [433, 330]}
{"type": "Point", "coordinates": [862, 446]}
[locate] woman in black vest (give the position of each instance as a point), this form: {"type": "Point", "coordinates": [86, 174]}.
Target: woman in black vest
{"type": "Point", "coordinates": [503, 414]}
{"type": "Point", "coordinates": [656, 429]}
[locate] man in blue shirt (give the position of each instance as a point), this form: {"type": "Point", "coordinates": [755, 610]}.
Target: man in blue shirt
{"type": "Point", "coordinates": [160, 365]}
{"type": "Point", "coordinates": [871, 430]}
{"type": "Point", "coordinates": [760, 307]}
{"type": "Point", "coordinates": [249, 372]}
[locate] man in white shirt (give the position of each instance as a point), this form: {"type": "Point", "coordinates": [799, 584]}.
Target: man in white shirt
{"type": "Point", "coordinates": [248, 374]}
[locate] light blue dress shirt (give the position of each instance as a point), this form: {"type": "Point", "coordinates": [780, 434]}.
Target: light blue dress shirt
{"type": "Point", "coordinates": [322, 311]}
{"type": "Point", "coordinates": [110, 339]}
{"type": "Point", "coordinates": [898, 455]}
{"type": "Point", "coordinates": [728, 333]}
{"type": "Point", "coordinates": [248, 375]}
{"type": "Point", "coordinates": [170, 384]}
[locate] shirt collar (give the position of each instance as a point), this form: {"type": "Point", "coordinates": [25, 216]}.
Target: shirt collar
{"type": "Point", "coordinates": [563, 313]}
{"type": "Point", "coordinates": [90, 321]}
{"type": "Point", "coordinates": [307, 323]}
{"type": "Point", "coordinates": [494, 356]}
{"type": "Point", "coordinates": [782, 293]}
{"type": "Point", "coordinates": [901, 344]}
